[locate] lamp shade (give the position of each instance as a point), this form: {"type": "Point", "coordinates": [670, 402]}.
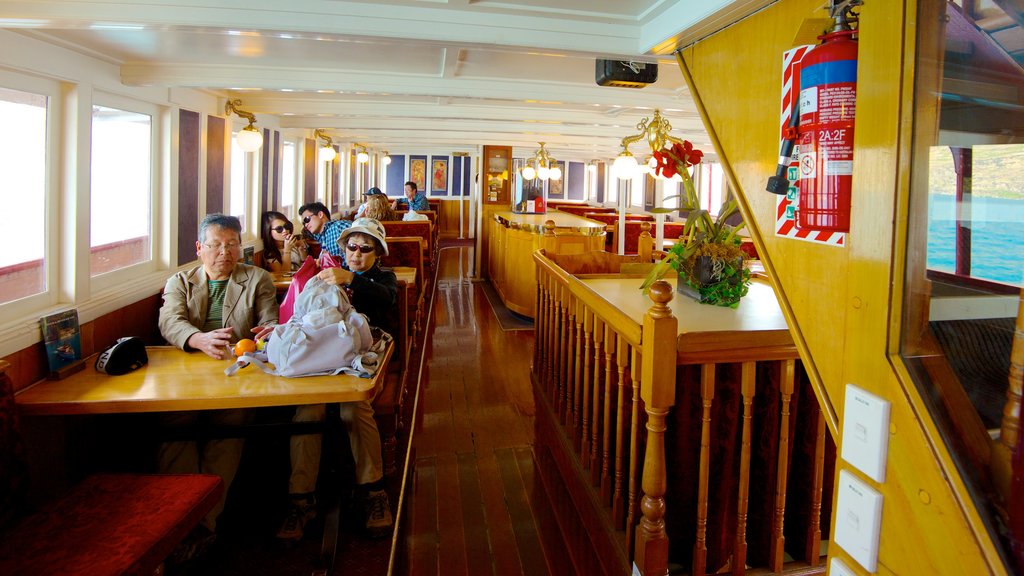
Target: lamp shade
{"type": "Point", "coordinates": [327, 153]}
{"type": "Point", "coordinates": [529, 173]}
{"type": "Point", "coordinates": [249, 139]}
{"type": "Point", "coordinates": [624, 167]}
{"type": "Point", "coordinates": [386, 159]}
{"type": "Point", "coordinates": [543, 172]}
{"type": "Point", "coordinates": [556, 173]}
{"type": "Point", "coordinates": [362, 157]}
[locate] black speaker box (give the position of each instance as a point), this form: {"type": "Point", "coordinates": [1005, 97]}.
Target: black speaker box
{"type": "Point", "coordinates": [625, 74]}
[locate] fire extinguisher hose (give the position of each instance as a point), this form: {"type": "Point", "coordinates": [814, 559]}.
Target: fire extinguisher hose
{"type": "Point", "coordinates": [779, 183]}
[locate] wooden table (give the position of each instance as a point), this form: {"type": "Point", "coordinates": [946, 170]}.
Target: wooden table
{"type": "Point", "coordinates": [175, 380]}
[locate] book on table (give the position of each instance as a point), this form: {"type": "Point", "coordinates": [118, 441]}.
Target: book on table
{"type": "Point", "coordinates": [62, 338]}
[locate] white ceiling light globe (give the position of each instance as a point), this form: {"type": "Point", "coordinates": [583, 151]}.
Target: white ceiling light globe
{"type": "Point", "coordinates": [529, 173]}
{"type": "Point", "coordinates": [556, 173]}
{"type": "Point", "coordinates": [327, 153]}
{"type": "Point", "coordinates": [624, 167]}
{"type": "Point", "coordinates": [543, 172]}
{"type": "Point", "coordinates": [249, 139]}
{"type": "Point", "coordinates": [386, 160]}
{"type": "Point", "coordinates": [362, 157]}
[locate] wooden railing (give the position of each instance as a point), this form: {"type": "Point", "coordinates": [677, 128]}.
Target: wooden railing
{"type": "Point", "coordinates": [655, 434]}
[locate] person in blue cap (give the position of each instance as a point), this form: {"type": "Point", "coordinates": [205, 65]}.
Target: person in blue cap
{"type": "Point", "coordinates": [366, 196]}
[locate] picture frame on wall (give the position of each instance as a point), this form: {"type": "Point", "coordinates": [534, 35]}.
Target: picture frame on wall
{"type": "Point", "coordinates": [418, 171]}
{"type": "Point", "coordinates": [556, 188]}
{"type": "Point", "coordinates": [438, 176]}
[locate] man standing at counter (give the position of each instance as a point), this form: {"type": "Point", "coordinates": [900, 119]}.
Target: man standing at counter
{"type": "Point", "coordinates": [316, 218]}
{"type": "Point", "coordinates": [206, 308]}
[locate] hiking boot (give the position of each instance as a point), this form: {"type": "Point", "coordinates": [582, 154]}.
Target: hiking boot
{"type": "Point", "coordinates": [378, 514]}
{"type": "Point", "coordinates": [301, 511]}
{"type": "Point", "coordinates": [195, 544]}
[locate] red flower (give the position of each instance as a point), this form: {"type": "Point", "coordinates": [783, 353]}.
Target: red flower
{"type": "Point", "coordinates": [675, 160]}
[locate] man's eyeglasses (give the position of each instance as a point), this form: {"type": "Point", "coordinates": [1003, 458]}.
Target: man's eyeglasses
{"type": "Point", "coordinates": [230, 246]}
{"type": "Point", "coordinates": [281, 229]}
{"type": "Point", "coordinates": [357, 248]}
{"type": "Point", "coordinates": [306, 219]}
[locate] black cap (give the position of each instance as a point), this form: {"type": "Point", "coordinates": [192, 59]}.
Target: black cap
{"type": "Point", "coordinates": [373, 191]}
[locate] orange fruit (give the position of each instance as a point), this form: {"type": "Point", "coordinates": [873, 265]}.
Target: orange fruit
{"type": "Point", "coordinates": [244, 345]}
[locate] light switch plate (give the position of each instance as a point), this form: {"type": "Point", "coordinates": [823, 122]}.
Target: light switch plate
{"type": "Point", "coordinates": [858, 520]}
{"type": "Point", "coordinates": [866, 432]}
{"type": "Point", "coordinates": [837, 567]}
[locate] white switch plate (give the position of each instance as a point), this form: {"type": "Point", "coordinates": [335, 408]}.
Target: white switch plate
{"type": "Point", "coordinates": [837, 567]}
{"type": "Point", "coordinates": [866, 432]}
{"type": "Point", "coordinates": [858, 520]}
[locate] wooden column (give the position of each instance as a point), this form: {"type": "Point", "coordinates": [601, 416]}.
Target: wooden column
{"type": "Point", "coordinates": [658, 390]}
{"type": "Point", "coordinates": [777, 553]}
{"type": "Point", "coordinates": [748, 384]}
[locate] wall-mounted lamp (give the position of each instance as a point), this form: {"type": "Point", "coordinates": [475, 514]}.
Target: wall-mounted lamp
{"type": "Point", "coordinates": [327, 151]}
{"type": "Point", "coordinates": [362, 157]}
{"type": "Point", "coordinates": [541, 165]}
{"type": "Point", "coordinates": [592, 166]}
{"type": "Point", "coordinates": [386, 159]}
{"type": "Point", "coordinates": [249, 138]}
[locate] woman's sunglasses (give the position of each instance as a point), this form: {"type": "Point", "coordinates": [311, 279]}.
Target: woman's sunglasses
{"type": "Point", "coordinates": [281, 229]}
{"type": "Point", "coordinates": [358, 248]}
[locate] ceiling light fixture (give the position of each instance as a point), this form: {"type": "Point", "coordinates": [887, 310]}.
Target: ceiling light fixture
{"type": "Point", "coordinates": [327, 151]}
{"type": "Point", "coordinates": [386, 159]}
{"type": "Point", "coordinates": [362, 157]}
{"type": "Point", "coordinates": [249, 138]}
{"type": "Point", "coordinates": [656, 131]}
{"type": "Point", "coordinates": [541, 165]}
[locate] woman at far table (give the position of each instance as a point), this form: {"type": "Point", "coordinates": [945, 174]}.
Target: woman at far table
{"type": "Point", "coordinates": [283, 251]}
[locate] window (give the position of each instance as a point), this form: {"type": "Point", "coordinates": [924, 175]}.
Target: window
{"type": "Point", "coordinates": [244, 167]}
{"type": "Point", "coordinates": [23, 168]}
{"type": "Point", "coordinates": [121, 191]}
{"type": "Point", "coordinates": [289, 180]}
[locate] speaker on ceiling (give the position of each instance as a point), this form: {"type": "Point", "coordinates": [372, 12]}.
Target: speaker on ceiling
{"type": "Point", "coordinates": [625, 74]}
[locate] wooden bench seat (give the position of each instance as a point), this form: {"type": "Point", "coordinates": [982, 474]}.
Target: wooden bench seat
{"type": "Point", "coordinates": [108, 524]}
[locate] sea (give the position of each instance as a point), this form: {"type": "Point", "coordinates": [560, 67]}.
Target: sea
{"type": "Point", "coordinates": [997, 237]}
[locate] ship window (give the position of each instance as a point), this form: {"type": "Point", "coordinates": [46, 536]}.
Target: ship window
{"type": "Point", "coordinates": [23, 182]}
{"type": "Point", "coordinates": [121, 190]}
{"type": "Point", "coordinates": [244, 168]}
{"type": "Point", "coordinates": [965, 262]}
{"type": "Point", "coordinates": [288, 178]}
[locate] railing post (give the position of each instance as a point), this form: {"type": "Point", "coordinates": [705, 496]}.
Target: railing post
{"type": "Point", "coordinates": [657, 388]}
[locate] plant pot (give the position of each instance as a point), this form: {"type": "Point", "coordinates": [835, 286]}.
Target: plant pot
{"type": "Point", "coordinates": [709, 283]}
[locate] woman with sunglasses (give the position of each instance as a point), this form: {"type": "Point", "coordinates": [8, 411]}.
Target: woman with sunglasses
{"type": "Point", "coordinates": [372, 291]}
{"type": "Point", "coordinates": [282, 250]}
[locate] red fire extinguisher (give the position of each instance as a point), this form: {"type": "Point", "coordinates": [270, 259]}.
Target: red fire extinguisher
{"type": "Point", "coordinates": [828, 93]}
{"type": "Point", "coordinates": [822, 122]}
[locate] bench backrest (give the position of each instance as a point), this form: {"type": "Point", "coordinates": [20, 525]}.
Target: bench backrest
{"type": "Point", "coordinates": [421, 228]}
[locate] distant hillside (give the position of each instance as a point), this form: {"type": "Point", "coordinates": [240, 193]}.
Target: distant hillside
{"type": "Point", "coordinates": [998, 171]}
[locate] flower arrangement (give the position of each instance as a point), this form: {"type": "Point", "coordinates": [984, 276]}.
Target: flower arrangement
{"type": "Point", "coordinates": [707, 256]}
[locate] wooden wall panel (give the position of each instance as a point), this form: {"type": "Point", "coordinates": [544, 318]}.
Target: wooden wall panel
{"type": "Point", "coordinates": [840, 302]}
{"type": "Point", "coordinates": [189, 127]}
{"type": "Point", "coordinates": [309, 170]}
{"type": "Point", "coordinates": [216, 157]}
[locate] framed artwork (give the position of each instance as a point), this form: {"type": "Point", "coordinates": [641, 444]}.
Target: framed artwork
{"type": "Point", "coordinates": [556, 187]}
{"type": "Point", "coordinates": [418, 171]}
{"type": "Point", "coordinates": [438, 176]}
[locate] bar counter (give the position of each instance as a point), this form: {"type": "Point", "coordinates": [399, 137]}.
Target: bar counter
{"type": "Point", "coordinates": [514, 238]}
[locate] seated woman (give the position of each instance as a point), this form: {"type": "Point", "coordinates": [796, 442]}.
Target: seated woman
{"type": "Point", "coordinates": [361, 210]}
{"type": "Point", "coordinates": [378, 208]}
{"type": "Point", "coordinates": [282, 250]}
{"type": "Point", "coordinates": [372, 291]}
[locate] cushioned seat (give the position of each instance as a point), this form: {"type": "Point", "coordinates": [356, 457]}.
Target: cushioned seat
{"type": "Point", "coordinates": [109, 524]}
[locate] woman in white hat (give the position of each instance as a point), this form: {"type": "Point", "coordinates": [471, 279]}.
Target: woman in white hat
{"type": "Point", "coordinates": [372, 291]}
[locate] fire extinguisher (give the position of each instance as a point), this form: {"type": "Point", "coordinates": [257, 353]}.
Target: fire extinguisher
{"type": "Point", "coordinates": [823, 118]}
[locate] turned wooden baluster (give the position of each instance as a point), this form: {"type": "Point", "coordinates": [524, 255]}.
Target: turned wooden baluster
{"type": "Point", "coordinates": [574, 366]}
{"type": "Point", "coordinates": [561, 335]}
{"type": "Point", "coordinates": [583, 386]}
{"type": "Point", "coordinates": [747, 387]}
{"type": "Point", "coordinates": [552, 316]}
{"type": "Point", "coordinates": [658, 390]}
{"type": "Point", "coordinates": [541, 329]}
{"type": "Point", "coordinates": [618, 498]}
{"type": "Point", "coordinates": [777, 554]}
{"type": "Point", "coordinates": [596, 423]}
{"type": "Point", "coordinates": [602, 480]}
{"type": "Point", "coordinates": [609, 401]}
{"type": "Point", "coordinates": [707, 396]}
{"type": "Point", "coordinates": [812, 554]}
{"type": "Point", "coordinates": [634, 450]}
{"type": "Point", "coordinates": [538, 325]}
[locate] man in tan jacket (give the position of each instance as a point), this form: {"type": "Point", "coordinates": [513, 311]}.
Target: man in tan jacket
{"type": "Point", "coordinates": [206, 309]}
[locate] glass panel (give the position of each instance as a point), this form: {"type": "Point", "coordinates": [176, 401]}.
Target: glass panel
{"type": "Point", "coordinates": [288, 163]}
{"type": "Point", "coordinates": [239, 181]}
{"type": "Point", "coordinates": [121, 193]}
{"type": "Point", "coordinates": [965, 262]}
{"type": "Point", "coordinates": [23, 187]}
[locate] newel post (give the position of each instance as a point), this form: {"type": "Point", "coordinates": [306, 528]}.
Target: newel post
{"type": "Point", "coordinates": [658, 390]}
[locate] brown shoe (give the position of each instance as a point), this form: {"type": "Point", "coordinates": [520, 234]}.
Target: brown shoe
{"type": "Point", "coordinates": [301, 511]}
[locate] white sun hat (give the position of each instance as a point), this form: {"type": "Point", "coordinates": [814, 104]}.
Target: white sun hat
{"type": "Point", "coordinates": [369, 226]}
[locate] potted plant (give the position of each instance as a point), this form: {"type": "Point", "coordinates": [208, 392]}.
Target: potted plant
{"type": "Point", "coordinates": [707, 257]}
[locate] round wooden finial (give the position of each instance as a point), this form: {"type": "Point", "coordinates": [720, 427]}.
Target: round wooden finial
{"type": "Point", "coordinates": [661, 292]}
{"type": "Point", "coordinates": [549, 227]}
{"type": "Point", "coordinates": [645, 226]}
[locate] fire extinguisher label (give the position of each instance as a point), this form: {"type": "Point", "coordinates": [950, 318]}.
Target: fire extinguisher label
{"type": "Point", "coordinates": [808, 165]}
{"type": "Point", "coordinates": [809, 100]}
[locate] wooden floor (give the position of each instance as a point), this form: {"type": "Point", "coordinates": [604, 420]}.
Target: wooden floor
{"type": "Point", "coordinates": [474, 504]}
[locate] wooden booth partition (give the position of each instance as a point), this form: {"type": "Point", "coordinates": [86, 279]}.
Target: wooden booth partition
{"type": "Point", "coordinates": [671, 432]}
